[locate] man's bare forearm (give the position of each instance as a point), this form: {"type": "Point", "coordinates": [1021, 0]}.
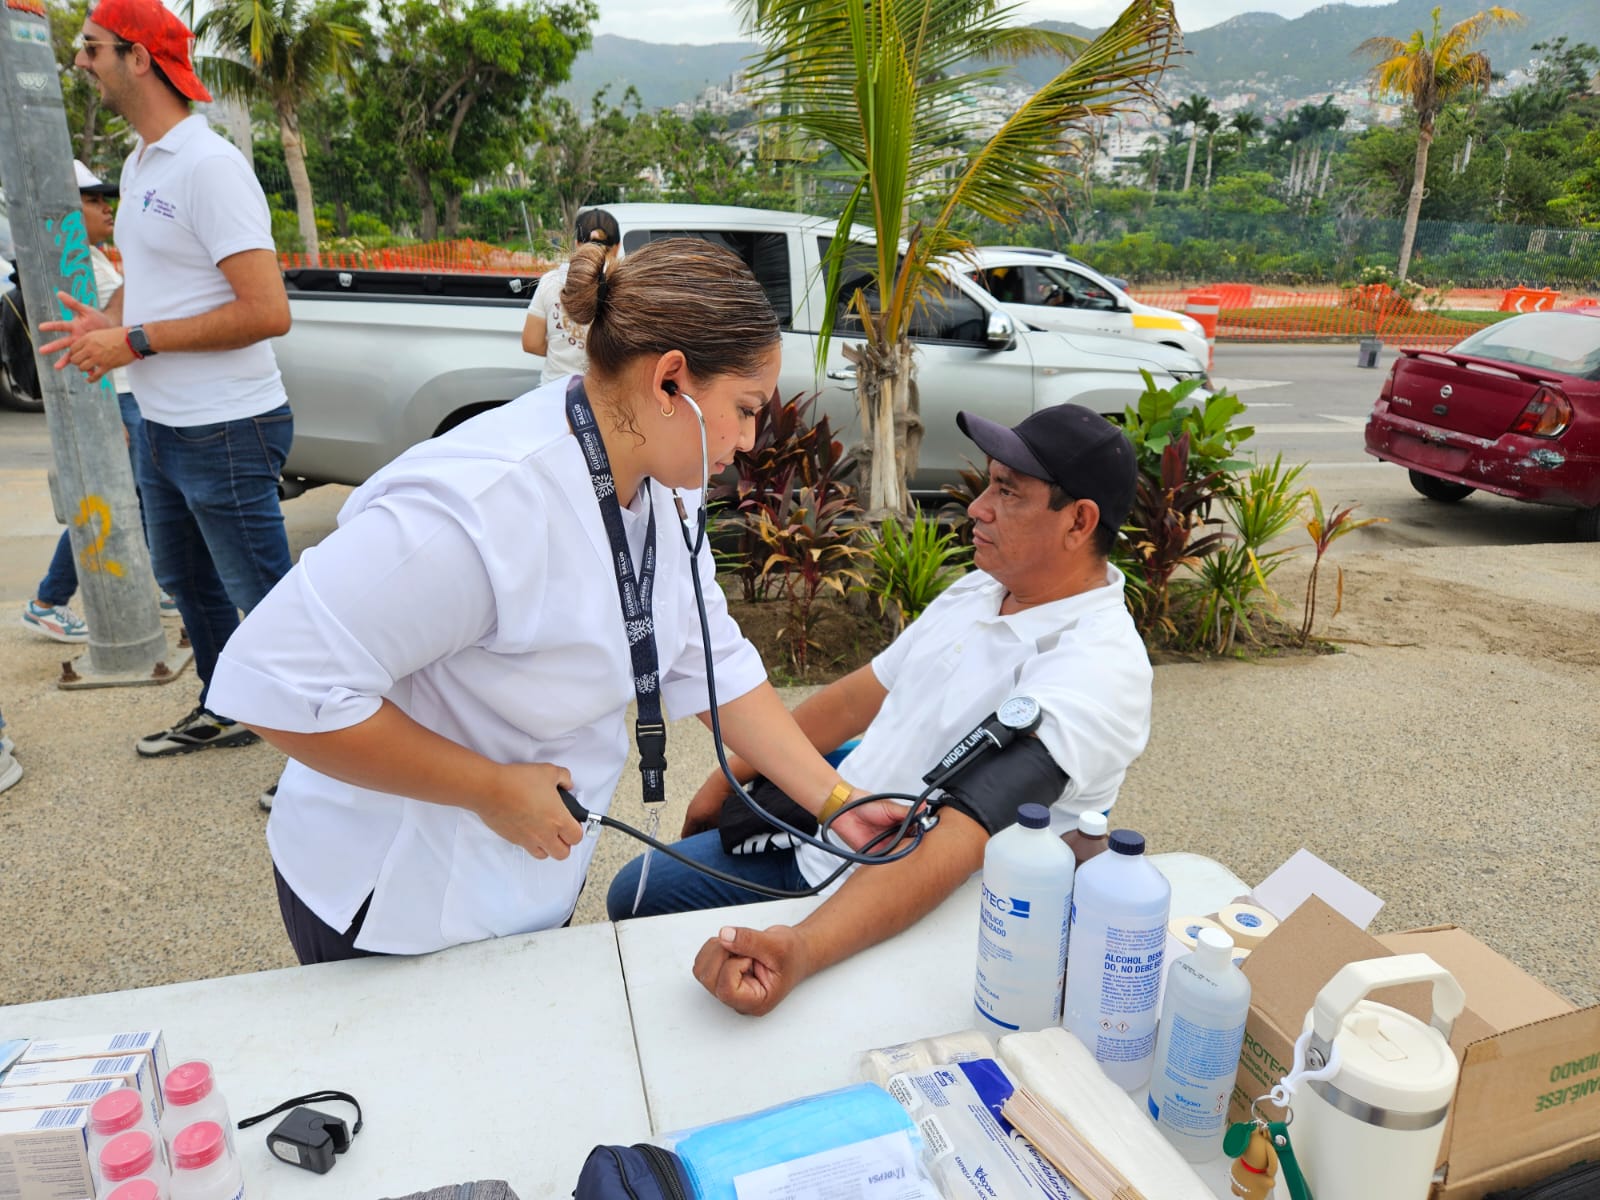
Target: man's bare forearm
{"type": "Point", "coordinates": [878, 902]}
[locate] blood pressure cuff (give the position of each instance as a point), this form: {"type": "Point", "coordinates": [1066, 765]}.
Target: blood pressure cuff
{"type": "Point", "coordinates": [992, 789]}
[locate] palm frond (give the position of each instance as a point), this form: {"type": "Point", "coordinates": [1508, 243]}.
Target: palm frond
{"type": "Point", "coordinates": [1116, 69]}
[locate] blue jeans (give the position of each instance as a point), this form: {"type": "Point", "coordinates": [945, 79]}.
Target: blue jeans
{"type": "Point", "coordinates": [211, 516]}
{"type": "Point", "coordinates": [60, 582]}
{"type": "Point", "coordinates": [673, 887]}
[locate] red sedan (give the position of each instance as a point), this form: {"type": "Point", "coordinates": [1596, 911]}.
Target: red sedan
{"type": "Point", "coordinates": [1514, 410]}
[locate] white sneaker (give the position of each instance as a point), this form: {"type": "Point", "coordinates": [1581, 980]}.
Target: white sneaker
{"type": "Point", "coordinates": [57, 621]}
{"type": "Point", "coordinates": [10, 770]}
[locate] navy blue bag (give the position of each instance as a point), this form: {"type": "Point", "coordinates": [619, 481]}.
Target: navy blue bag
{"type": "Point", "coordinates": [640, 1172]}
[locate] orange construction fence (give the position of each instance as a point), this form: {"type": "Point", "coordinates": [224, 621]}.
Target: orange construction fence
{"type": "Point", "coordinates": [461, 257]}
{"type": "Point", "coordinates": [1252, 313]}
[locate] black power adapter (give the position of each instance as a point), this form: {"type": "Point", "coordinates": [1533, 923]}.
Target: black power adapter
{"type": "Point", "coordinates": [307, 1138]}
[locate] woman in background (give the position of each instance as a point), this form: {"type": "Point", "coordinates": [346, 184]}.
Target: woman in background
{"type": "Point", "coordinates": [551, 329]}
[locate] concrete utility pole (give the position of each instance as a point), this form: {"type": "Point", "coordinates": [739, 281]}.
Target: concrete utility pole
{"type": "Point", "coordinates": [91, 484]}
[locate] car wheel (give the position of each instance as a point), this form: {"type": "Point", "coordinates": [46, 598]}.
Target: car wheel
{"type": "Point", "coordinates": [11, 396]}
{"type": "Point", "coordinates": [1589, 524]}
{"type": "Point", "coordinates": [1442, 490]}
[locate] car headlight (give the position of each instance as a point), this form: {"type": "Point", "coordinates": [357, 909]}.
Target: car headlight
{"type": "Point", "coordinates": [1180, 374]}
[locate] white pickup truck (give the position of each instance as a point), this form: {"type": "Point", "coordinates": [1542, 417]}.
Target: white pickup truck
{"type": "Point", "coordinates": [377, 361]}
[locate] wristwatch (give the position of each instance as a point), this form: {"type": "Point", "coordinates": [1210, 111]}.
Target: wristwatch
{"type": "Point", "coordinates": [139, 343]}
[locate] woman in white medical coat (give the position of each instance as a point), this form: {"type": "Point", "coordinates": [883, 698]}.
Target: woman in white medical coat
{"type": "Point", "coordinates": [457, 648]}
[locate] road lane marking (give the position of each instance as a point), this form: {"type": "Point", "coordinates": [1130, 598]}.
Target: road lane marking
{"type": "Point", "coordinates": [1248, 385]}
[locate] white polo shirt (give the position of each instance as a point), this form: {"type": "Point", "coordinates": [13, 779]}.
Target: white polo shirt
{"type": "Point", "coordinates": [1081, 658]}
{"type": "Point", "coordinates": [188, 202]}
{"type": "Point", "coordinates": [470, 583]}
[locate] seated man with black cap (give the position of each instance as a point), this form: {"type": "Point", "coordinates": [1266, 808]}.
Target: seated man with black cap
{"type": "Point", "coordinates": [1041, 616]}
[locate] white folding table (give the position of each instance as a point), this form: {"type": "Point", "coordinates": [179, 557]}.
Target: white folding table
{"type": "Point", "coordinates": [506, 1059]}
{"type": "Point", "coordinates": [702, 1062]}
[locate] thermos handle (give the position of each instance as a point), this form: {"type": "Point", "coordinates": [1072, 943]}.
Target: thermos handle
{"type": "Point", "coordinates": [1341, 993]}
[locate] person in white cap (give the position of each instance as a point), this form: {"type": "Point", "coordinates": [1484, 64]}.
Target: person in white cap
{"type": "Point", "coordinates": [49, 612]}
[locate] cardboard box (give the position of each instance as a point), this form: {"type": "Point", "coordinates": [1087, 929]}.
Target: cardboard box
{"type": "Point", "coordinates": [1528, 1100]}
{"type": "Point", "coordinates": [104, 1045]}
{"type": "Point", "coordinates": [44, 1154]}
{"type": "Point", "coordinates": [132, 1070]}
{"type": "Point", "coordinates": [54, 1095]}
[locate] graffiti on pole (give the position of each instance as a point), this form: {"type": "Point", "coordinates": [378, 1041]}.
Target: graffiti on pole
{"type": "Point", "coordinates": [95, 514]}
{"type": "Point", "coordinates": [76, 264]}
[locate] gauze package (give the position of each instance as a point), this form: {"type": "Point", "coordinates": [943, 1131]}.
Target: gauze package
{"type": "Point", "coordinates": [969, 1148]}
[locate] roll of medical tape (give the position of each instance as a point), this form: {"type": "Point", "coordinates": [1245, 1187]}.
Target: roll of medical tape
{"type": "Point", "coordinates": [1187, 929]}
{"type": "Point", "coordinates": [1248, 925]}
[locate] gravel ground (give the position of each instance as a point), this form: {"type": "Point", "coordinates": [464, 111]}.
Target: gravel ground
{"type": "Point", "coordinates": [1446, 760]}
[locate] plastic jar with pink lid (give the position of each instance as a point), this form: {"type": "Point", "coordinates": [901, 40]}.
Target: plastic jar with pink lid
{"type": "Point", "coordinates": [140, 1189]}
{"type": "Point", "coordinates": [203, 1167]}
{"type": "Point", "coordinates": [116, 1113]}
{"type": "Point", "coordinates": [130, 1156]}
{"type": "Point", "coordinates": [191, 1094]}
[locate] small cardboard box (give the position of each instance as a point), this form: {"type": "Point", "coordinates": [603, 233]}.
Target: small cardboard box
{"type": "Point", "coordinates": [54, 1095]}
{"type": "Point", "coordinates": [132, 1070]}
{"type": "Point", "coordinates": [148, 1042]}
{"type": "Point", "coordinates": [1528, 1100]}
{"type": "Point", "coordinates": [44, 1154]}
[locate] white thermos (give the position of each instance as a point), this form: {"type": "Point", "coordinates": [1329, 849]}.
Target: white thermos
{"type": "Point", "coordinates": [1375, 1127]}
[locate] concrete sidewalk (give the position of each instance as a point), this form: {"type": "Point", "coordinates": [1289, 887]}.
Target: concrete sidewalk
{"type": "Point", "coordinates": [1447, 759]}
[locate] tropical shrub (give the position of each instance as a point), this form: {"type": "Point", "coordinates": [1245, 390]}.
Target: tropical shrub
{"type": "Point", "coordinates": [789, 453]}
{"type": "Point", "coordinates": [811, 540]}
{"type": "Point", "coordinates": [910, 567]}
{"type": "Point", "coordinates": [1231, 586]}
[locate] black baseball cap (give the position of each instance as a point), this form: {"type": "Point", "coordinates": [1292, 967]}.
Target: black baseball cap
{"type": "Point", "coordinates": [1068, 445]}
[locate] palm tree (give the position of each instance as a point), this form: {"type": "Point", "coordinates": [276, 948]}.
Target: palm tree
{"type": "Point", "coordinates": [286, 53]}
{"type": "Point", "coordinates": [1429, 69]}
{"type": "Point", "coordinates": [1190, 113]}
{"type": "Point", "coordinates": [1211, 122]}
{"type": "Point", "coordinates": [882, 84]}
{"type": "Point", "coordinates": [1247, 124]}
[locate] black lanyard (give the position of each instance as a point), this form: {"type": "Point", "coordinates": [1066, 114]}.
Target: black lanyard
{"type": "Point", "coordinates": [634, 593]}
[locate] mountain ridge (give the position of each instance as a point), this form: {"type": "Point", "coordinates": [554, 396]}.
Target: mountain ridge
{"type": "Point", "coordinates": [1256, 51]}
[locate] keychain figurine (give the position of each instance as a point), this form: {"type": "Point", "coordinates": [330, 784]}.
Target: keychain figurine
{"type": "Point", "coordinates": [1255, 1168]}
{"type": "Point", "coordinates": [1259, 1148]}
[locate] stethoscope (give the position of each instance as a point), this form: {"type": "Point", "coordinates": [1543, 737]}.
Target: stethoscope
{"type": "Point", "coordinates": [885, 847]}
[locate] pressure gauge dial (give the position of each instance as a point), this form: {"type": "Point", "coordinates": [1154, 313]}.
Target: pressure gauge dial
{"type": "Point", "coordinates": [1020, 714]}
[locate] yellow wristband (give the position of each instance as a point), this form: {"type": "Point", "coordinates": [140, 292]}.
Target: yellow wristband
{"type": "Point", "coordinates": [837, 799]}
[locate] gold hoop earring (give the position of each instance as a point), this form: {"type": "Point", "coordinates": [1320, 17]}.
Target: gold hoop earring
{"type": "Point", "coordinates": [669, 411]}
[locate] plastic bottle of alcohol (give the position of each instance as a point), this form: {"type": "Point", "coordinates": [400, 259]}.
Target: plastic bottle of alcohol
{"type": "Point", "coordinates": [1197, 1052]}
{"type": "Point", "coordinates": [1119, 937]}
{"type": "Point", "coordinates": [1093, 837]}
{"type": "Point", "coordinates": [1022, 925]}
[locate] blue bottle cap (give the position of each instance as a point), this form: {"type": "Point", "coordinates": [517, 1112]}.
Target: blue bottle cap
{"type": "Point", "coordinates": [1126, 841]}
{"type": "Point", "coordinates": [1033, 816]}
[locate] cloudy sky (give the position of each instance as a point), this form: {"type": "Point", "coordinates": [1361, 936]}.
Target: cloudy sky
{"type": "Point", "coordinates": [704, 21]}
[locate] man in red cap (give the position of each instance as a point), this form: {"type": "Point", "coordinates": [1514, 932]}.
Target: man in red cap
{"type": "Point", "coordinates": [201, 298]}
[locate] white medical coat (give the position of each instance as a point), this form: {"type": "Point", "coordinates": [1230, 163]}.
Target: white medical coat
{"type": "Point", "coordinates": [470, 583]}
